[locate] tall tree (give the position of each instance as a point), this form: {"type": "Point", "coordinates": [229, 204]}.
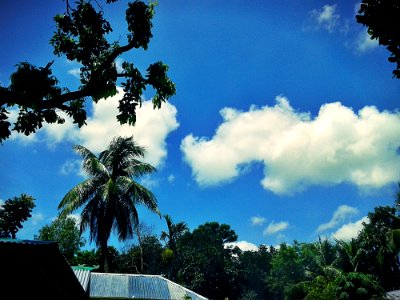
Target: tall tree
{"type": "Point", "coordinates": [255, 269]}
{"type": "Point", "coordinates": [382, 17]}
{"type": "Point", "coordinates": [13, 213]}
{"type": "Point", "coordinates": [110, 196]}
{"type": "Point", "coordinates": [66, 233]}
{"type": "Point", "coordinates": [349, 255]}
{"type": "Point", "coordinates": [175, 231]}
{"type": "Point", "coordinates": [81, 36]}
{"type": "Point", "coordinates": [377, 257]}
{"type": "Point", "coordinates": [287, 269]}
{"type": "Point", "coordinates": [205, 263]}
{"type": "Point", "coordinates": [149, 253]}
{"type": "Point", "coordinates": [171, 255]}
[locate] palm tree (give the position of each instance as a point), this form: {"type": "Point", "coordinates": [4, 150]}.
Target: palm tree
{"type": "Point", "coordinates": [110, 195]}
{"type": "Point", "coordinates": [350, 255]}
{"type": "Point", "coordinates": [175, 231]}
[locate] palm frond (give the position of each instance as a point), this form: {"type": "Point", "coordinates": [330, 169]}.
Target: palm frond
{"type": "Point", "coordinates": [164, 236]}
{"type": "Point", "coordinates": [120, 153]}
{"type": "Point", "coordinates": [138, 193]}
{"type": "Point", "coordinates": [89, 215]}
{"type": "Point", "coordinates": [123, 222]}
{"type": "Point", "coordinates": [181, 228]}
{"type": "Point", "coordinates": [137, 169]}
{"type": "Point", "coordinates": [77, 196]}
{"type": "Point", "coordinates": [91, 164]}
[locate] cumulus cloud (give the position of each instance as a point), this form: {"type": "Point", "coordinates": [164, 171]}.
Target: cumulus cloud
{"type": "Point", "coordinates": [275, 228]}
{"type": "Point", "coordinates": [364, 43]}
{"type": "Point", "coordinates": [342, 213]}
{"type": "Point", "coordinates": [257, 221]}
{"type": "Point", "coordinates": [243, 245]}
{"type": "Point", "coordinates": [336, 146]}
{"type": "Point", "coordinates": [150, 131]}
{"type": "Point", "coordinates": [350, 230]}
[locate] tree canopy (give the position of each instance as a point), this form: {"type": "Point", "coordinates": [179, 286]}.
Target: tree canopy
{"type": "Point", "coordinates": [81, 36]}
{"type": "Point", "coordinates": [66, 233]}
{"type": "Point", "coordinates": [383, 21]}
{"type": "Point", "coordinates": [13, 213]}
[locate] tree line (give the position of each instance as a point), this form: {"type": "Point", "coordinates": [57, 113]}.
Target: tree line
{"type": "Point", "coordinates": [364, 267]}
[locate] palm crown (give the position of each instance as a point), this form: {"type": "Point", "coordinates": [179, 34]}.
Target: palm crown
{"type": "Point", "coordinates": [110, 195]}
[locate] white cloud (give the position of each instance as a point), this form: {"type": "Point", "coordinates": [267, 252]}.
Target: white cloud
{"type": "Point", "coordinates": [364, 42]}
{"type": "Point", "coordinates": [257, 221]}
{"type": "Point", "coordinates": [72, 166]}
{"type": "Point", "coordinates": [76, 72]}
{"type": "Point", "coordinates": [149, 182]}
{"type": "Point", "coordinates": [36, 218]}
{"type": "Point", "coordinates": [350, 230]}
{"type": "Point", "coordinates": [326, 18]}
{"type": "Point", "coordinates": [357, 7]}
{"type": "Point", "coordinates": [275, 228]}
{"type": "Point", "coordinates": [243, 245]}
{"type": "Point", "coordinates": [77, 218]}
{"type": "Point", "coordinates": [2, 202]}
{"type": "Point", "coordinates": [150, 131]}
{"type": "Point", "coordinates": [337, 146]}
{"type": "Point", "coordinates": [118, 63]}
{"type": "Point", "coordinates": [19, 137]}
{"type": "Point", "coordinates": [342, 213]}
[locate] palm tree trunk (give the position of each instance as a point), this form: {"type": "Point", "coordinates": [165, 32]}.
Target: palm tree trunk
{"type": "Point", "coordinates": [140, 249]}
{"type": "Point", "coordinates": [104, 264]}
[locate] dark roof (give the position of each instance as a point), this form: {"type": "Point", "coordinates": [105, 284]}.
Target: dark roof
{"type": "Point", "coordinates": [36, 270]}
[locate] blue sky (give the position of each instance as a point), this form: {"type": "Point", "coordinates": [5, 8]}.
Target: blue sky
{"type": "Point", "coordinates": [285, 124]}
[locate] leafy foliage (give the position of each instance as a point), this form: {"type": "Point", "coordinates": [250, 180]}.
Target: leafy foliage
{"type": "Point", "coordinates": [129, 261]}
{"type": "Point", "coordinates": [13, 213]}
{"type": "Point", "coordinates": [81, 36]}
{"type": "Point", "coordinates": [383, 21]}
{"type": "Point", "coordinates": [377, 256]}
{"type": "Point", "coordinates": [66, 233]}
{"type": "Point", "coordinates": [205, 264]}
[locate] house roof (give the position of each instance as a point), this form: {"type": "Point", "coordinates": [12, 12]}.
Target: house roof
{"type": "Point", "coordinates": [124, 286]}
{"type": "Point", "coordinates": [393, 295]}
{"type": "Point", "coordinates": [83, 275]}
{"type": "Point", "coordinates": [36, 269]}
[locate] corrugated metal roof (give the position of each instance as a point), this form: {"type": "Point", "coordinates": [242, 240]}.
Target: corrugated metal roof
{"type": "Point", "coordinates": [395, 295]}
{"type": "Point", "coordinates": [83, 275]}
{"type": "Point", "coordinates": [138, 286]}
{"type": "Point", "coordinates": [26, 242]}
